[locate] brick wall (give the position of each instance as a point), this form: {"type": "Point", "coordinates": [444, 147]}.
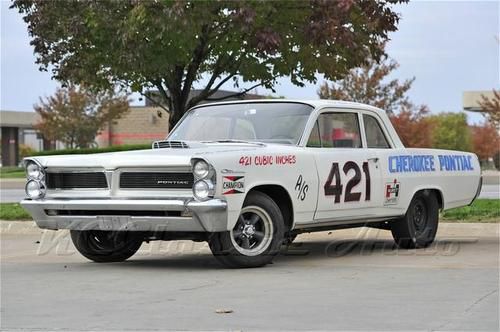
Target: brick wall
{"type": "Point", "coordinates": [138, 126]}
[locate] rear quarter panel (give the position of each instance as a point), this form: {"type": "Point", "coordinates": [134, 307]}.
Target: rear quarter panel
{"type": "Point", "coordinates": [454, 174]}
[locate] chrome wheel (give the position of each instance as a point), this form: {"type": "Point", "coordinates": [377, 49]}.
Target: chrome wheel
{"type": "Point", "coordinates": [253, 232]}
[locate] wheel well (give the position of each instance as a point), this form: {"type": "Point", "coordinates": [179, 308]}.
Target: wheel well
{"type": "Point", "coordinates": [281, 197]}
{"type": "Point", "coordinates": [438, 193]}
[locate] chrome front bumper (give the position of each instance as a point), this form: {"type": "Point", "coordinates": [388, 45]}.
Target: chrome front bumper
{"type": "Point", "coordinates": [186, 214]}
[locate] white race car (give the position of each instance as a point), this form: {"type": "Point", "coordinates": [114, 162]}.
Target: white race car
{"type": "Point", "coordinates": [248, 177]}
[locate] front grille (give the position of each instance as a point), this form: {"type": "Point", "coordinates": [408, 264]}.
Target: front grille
{"type": "Point", "coordinates": [156, 180]}
{"type": "Point", "coordinates": [77, 180]}
{"type": "Point", "coordinates": [170, 145]}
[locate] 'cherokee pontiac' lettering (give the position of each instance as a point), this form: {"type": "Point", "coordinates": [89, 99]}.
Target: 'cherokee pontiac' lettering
{"type": "Point", "coordinates": [247, 177]}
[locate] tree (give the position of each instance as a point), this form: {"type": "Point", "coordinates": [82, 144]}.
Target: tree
{"type": "Point", "coordinates": [75, 115]}
{"type": "Point", "coordinates": [450, 131]}
{"type": "Point", "coordinates": [485, 140]}
{"type": "Point", "coordinates": [491, 108]}
{"type": "Point", "coordinates": [168, 45]}
{"type": "Point", "coordinates": [413, 126]}
{"type": "Point", "coordinates": [369, 84]}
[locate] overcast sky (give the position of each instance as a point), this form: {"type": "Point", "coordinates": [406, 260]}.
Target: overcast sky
{"type": "Point", "coordinates": [449, 46]}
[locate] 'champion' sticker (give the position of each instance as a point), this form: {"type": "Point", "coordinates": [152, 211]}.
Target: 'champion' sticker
{"type": "Point", "coordinates": [233, 184]}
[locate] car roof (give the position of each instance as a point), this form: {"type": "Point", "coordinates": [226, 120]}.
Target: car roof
{"type": "Point", "coordinates": [316, 103]}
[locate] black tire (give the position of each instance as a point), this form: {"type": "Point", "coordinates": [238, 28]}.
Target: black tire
{"type": "Point", "coordinates": [106, 246]}
{"type": "Point", "coordinates": [230, 247]}
{"type": "Point", "coordinates": [418, 228]}
{"type": "Point", "coordinates": [289, 238]}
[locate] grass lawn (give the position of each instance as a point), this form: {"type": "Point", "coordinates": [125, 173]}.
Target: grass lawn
{"type": "Point", "coordinates": [482, 210]}
{"type": "Point", "coordinates": [12, 172]}
{"type": "Point", "coordinates": [13, 211]}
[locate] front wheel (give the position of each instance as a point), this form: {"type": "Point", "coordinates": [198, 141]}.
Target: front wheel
{"type": "Point", "coordinates": [255, 239]}
{"type": "Point", "coordinates": [106, 246]}
{"type": "Point", "coordinates": [417, 229]}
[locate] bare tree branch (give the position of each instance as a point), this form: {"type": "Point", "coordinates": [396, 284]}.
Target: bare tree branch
{"type": "Point", "coordinates": [239, 94]}
{"type": "Point", "coordinates": [199, 54]}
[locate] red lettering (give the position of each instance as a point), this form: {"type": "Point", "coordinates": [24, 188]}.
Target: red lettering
{"type": "Point", "coordinates": [263, 160]}
{"type": "Point", "coordinates": [283, 160]}
{"type": "Point", "coordinates": [245, 161]}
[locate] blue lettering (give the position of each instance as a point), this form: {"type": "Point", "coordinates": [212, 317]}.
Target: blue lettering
{"type": "Point", "coordinates": [469, 163]}
{"type": "Point", "coordinates": [441, 162]}
{"type": "Point", "coordinates": [408, 163]}
{"type": "Point", "coordinates": [455, 163]}
{"type": "Point", "coordinates": [391, 166]}
{"type": "Point", "coordinates": [431, 164]}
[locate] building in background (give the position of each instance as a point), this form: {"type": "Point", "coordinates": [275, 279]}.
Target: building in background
{"type": "Point", "coordinates": [17, 129]}
{"type": "Point", "coordinates": [471, 99]}
{"type": "Point", "coordinates": [145, 124]}
{"type": "Point", "coordinates": [140, 125]}
{"type": "Point", "coordinates": [153, 98]}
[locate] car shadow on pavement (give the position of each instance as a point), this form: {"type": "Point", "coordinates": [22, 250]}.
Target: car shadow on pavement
{"type": "Point", "coordinates": [377, 247]}
{"type": "Point", "coordinates": [188, 261]}
{"type": "Point", "coordinates": [309, 250]}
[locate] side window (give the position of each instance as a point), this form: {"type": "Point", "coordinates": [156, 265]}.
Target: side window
{"type": "Point", "coordinates": [314, 140]}
{"type": "Point", "coordinates": [375, 137]}
{"type": "Point", "coordinates": [339, 130]}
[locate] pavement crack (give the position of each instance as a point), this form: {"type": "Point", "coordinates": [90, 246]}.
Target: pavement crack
{"type": "Point", "coordinates": [469, 308]}
{"type": "Point", "coordinates": [200, 286]}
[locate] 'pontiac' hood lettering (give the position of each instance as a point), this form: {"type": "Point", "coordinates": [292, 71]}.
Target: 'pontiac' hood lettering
{"type": "Point", "coordinates": [172, 182]}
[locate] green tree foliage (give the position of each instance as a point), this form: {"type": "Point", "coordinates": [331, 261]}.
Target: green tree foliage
{"type": "Point", "coordinates": [169, 44]}
{"type": "Point", "coordinates": [450, 131]}
{"type": "Point", "coordinates": [75, 115]}
{"type": "Point", "coordinates": [369, 84]}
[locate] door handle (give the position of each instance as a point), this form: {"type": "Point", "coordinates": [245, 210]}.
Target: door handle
{"type": "Point", "coordinates": [375, 159]}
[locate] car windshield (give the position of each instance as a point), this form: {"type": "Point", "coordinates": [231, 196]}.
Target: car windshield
{"type": "Point", "coordinates": [281, 123]}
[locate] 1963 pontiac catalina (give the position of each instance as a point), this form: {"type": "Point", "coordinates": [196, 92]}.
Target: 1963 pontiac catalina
{"type": "Point", "coordinates": [248, 177]}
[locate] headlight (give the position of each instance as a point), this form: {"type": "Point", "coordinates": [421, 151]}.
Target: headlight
{"type": "Point", "coordinates": [34, 171]}
{"type": "Point", "coordinates": [201, 169]}
{"type": "Point", "coordinates": [203, 189]}
{"type": "Point", "coordinates": [35, 189]}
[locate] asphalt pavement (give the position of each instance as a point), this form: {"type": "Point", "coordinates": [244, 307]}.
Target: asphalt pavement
{"type": "Point", "coordinates": [342, 280]}
{"type": "Point", "coordinates": [12, 195]}
{"type": "Point", "coordinates": [491, 191]}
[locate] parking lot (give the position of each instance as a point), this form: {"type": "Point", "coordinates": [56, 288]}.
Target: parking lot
{"type": "Point", "coordinates": [349, 280]}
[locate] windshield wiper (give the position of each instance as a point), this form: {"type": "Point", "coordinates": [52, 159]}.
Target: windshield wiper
{"type": "Point", "coordinates": [234, 141]}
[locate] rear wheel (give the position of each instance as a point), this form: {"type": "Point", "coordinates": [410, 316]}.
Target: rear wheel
{"type": "Point", "coordinates": [255, 239]}
{"type": "Point", "coordinates": [417, 229]}
{"type": "Point", "coordinates": [106, 246]}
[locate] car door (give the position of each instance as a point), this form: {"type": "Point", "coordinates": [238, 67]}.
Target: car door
{"type": "Point", "coordinates": [378, 142]}
{"type": "Point", "coordinates": [349, 174]}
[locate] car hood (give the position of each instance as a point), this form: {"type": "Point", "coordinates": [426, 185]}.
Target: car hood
{"type": "Point", "coordinates": [143, 158]}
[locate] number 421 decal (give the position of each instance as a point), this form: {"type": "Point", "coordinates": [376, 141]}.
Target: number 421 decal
{"type": "Point", "coordinates": [336, 189]}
